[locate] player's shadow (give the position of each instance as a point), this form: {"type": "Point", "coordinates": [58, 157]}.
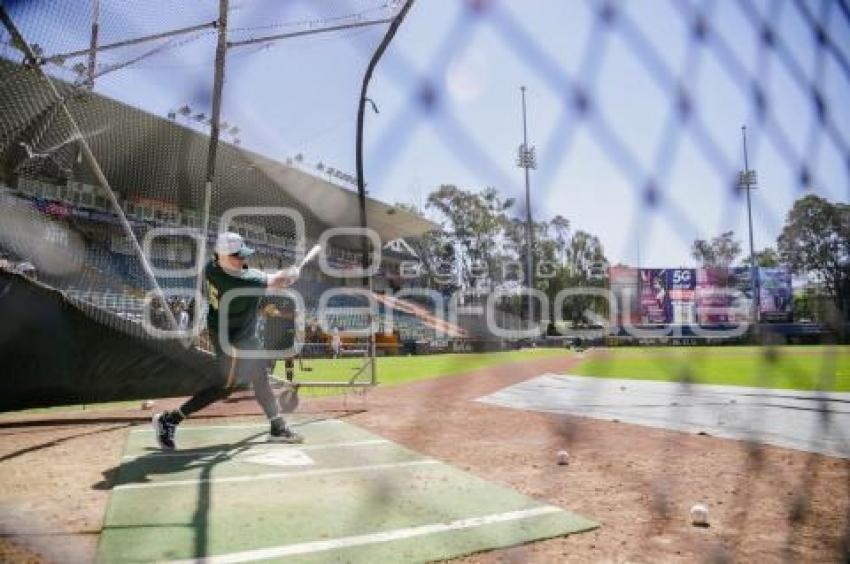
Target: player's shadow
{"type": "Point", "coordinates": [57, 442]}
{"type": "Point", "coordinates": [156, 462]}
{"type": "Point", "coordinates": [138, 470]}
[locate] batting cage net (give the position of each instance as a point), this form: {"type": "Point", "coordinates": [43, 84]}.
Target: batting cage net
{"type": "Point", "coordinates": [114, 190]}
{"type": "Point", "coordinates": [133, 134]}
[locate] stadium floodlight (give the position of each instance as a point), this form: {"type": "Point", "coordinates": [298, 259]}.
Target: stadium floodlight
{"type": "Point", "coordinates": [527, 160]}
{"type": "Point", "coordinates": [747, 180]}
{"type": "Point", "coordinates": [185, 110]}
{"type": "Point", "coordinates": [526, 157]}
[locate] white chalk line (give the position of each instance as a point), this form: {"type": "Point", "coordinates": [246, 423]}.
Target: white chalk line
{"type": "Point", "coordinates": [372, 538]}
{"type": "Point", "coordinates": [271, 447]}
{"type": "Point", "coordinates": [274, 476]}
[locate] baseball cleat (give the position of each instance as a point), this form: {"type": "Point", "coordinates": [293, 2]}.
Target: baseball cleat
{"type": "Point", "coordinates": [163, 431]}
{"type": "Point", "coordinates": [283, 434]}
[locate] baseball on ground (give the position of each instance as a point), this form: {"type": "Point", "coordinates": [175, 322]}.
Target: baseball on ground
{"type": "Point", "coordinates": [147, 404]}
{"type": "Point", "coordinates": [563, 457]}
{"type": "Point", "coordinates": [699, 515]}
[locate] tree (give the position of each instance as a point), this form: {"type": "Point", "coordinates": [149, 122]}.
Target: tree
{"type": "Point", "coordinates": [436, 252]}
{"type": "Point", "coordinates": [719, 251]}
{"type": "Point", "coordinates": [561, 227]}
{"type": "Point", "coordinates": [765, 258]}
{"type": "Point", "coordinates": [815, 241]}
{"type": "Point", "coordinates": [584, 254]}
{"type": "Point", "coordinates": [515, 239]}
{"type": "Point", "coordinates": [474, 221]}
{"type": "Point", "coordinates": [585, 266]}
{"type": "Point", "coordinates": [479, 236]}
{"type": "Point", "coordinates": [409, 208]}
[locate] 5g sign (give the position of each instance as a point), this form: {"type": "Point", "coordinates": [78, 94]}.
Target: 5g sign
{"type": "Point", "coordinates": [682, 277]}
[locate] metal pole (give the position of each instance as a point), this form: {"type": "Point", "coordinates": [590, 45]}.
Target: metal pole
{"type": "Point", "coordinates": [528, 222]}
{"type": "Point", "coordinates": [95, 18]}
{"type": "Point", "coordinates": [358, 156]}
{"type": "Point", "coordinates": [753, 266]}
{"type": "Point", "coordinates": [218, 84]}
{"type": "Point", "coordinates": [276, 37]}
{"type": "Point", "coordinates": [58, 57]}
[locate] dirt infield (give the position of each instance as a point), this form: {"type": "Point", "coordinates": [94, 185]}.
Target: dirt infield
{"type": "Point", "coordinates": [638, 482]}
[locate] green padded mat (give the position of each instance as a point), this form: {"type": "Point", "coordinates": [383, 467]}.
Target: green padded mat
{"type": "Point", "coordinates": [346, 495]}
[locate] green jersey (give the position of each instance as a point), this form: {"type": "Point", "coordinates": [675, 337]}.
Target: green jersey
{"type": "Point", "coordinates": [241, 320]}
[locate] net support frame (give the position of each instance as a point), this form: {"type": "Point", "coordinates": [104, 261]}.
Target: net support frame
{"type": "Point", "coordinates": [218, 87]}
{"type": "Point", "coordinates": [31, 60]}
{"type": "Point", "coordinates": [361, 180]}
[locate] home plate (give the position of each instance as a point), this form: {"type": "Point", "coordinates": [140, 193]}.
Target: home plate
{"type": "Point", "coordinates": [282, 458]}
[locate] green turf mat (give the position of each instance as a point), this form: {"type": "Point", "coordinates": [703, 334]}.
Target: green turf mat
{"type": "Point", "coordinates": [345, 495]}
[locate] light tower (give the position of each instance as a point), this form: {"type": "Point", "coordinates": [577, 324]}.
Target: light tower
{"type": "Point", "coordinates": [748, 180]}
{"type": "Point", "coordinates": [92, 61]}
{"type": "Point", "coordinates": [527, 159]}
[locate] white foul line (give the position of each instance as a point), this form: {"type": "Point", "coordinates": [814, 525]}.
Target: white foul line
{"type": "Point", "coordinates": [273, 476]}
{"type": "Point", "coordinates": [251, 451]}
{"type": "Point", "coordinates": [371, 538]}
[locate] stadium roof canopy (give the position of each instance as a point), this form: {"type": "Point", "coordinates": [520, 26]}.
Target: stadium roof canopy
{"type": "Point", "coordinates": [337, 206]}
{"type": "Point", "coordinates": [151, 158]}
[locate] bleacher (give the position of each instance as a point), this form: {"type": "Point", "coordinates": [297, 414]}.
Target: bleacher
{"type": "Point", "coordinates": [110, 275]}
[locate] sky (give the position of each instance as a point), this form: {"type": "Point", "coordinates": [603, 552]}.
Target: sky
{"type": "Point", "coordinates": [616, 154]}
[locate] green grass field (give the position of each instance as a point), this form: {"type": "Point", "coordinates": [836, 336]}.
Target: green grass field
{"type": "Point", "coordinates": [395, 370]}
{"type": "Point", "coordinates": [803, 368]}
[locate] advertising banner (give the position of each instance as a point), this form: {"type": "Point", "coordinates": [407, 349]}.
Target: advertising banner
{"type": "Point", "coordinates": [654, 299]}
{"type": "Point", "coordinates": [623, 281]}
{"type": "Point", "coordinates": [741, 302]}
{"type": "Point", "coordinates": [775, 294]}
{"type": "Point", "coordinates": [708, 296]}
{"type": "Point", "coordinates": [681, 292]}
{"type": "Point", "coordinates": [712, 300]}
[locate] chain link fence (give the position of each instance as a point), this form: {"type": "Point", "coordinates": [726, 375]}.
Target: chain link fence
{"type": "Point", "coordinates": [128, 132]}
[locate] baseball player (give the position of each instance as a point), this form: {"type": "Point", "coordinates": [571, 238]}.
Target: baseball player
{"type": "Point", "coordinates": [228, 270]}
{"type": "Point", "coordinates": [279, 331]}
{"type": "Point", "coordinates": [336, 343]}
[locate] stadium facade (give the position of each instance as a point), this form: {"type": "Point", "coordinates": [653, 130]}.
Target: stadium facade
{"type": "Point", "coordinates": [156, 167]}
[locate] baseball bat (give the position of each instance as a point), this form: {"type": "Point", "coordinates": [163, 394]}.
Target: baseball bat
{"type": "Point", "coordinates": [311, 254]}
